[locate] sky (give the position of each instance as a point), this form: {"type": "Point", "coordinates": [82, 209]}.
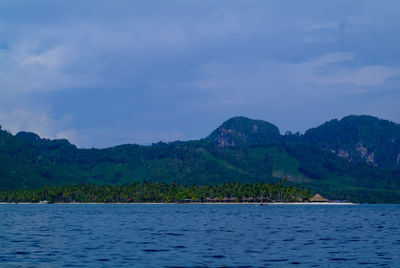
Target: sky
{"type": "Point", "coordinates": [102, 73]}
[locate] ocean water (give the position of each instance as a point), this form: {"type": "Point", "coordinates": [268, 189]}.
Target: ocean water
{"type": "Point", "coordinates": [199, 236]}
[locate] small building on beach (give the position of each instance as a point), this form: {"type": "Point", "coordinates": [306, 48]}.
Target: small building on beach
{"type": "Point", "coordinates": [216, 199]}
{"type": "Point", "coordinates": [318, 198]}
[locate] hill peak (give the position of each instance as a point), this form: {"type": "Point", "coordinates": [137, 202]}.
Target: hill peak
{"type": "Point", "coordinates": [360, 137]}
{"type": "Point", "coordinates": [28, 136]}
{"type": "Point", "coordinates": [243, 131]}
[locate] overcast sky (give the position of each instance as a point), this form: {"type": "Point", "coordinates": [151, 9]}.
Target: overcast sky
{"type": "Point", "coordinates": [102, 73]}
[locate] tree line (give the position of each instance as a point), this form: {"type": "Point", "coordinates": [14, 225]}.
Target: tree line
{"type": "Point", "coordinates": [159, 192]}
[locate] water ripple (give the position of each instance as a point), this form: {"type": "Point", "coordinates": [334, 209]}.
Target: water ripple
{"type": "Point", "coordinates": [199, 236]}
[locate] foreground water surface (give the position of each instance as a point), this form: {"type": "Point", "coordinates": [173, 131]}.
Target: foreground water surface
{"type": "Point", "coordinates": [199, 235]}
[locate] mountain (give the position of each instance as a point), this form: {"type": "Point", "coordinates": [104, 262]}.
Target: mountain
{"type": "Point", "coordinates": [360, 138]}
{"type": "Point", "coordinates": [333, 159]}
{"type": "Point", "coordinates": [243, 131]}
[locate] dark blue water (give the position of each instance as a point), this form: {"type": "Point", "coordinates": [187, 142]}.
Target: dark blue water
{"type": "Point", "coordinates": [199, 235]}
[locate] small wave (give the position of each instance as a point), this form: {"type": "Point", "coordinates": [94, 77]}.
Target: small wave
{"type": "Point", "coordinates": [342, 259]}
{"type": "Point", "coordinates": [22, 253]}
{"type": "Point", "coordinates": [288, 240]}
{"type": "Point", "coordinates": [303, 231]}
{"type": "Point", "coordinates": [276, 260]}
{"type": "Point", "coordinates": [174, 234]}
{"type": "Point", "coordinates": [103, 259]}
{"type": "Point", "coordinates": [325, 239]}
{"type": "Point", "coordinates": [218, 256]}
{"type": "Point", "coordinates": [155, 250]}
{"type": "Point", "coordinates": [214, 256]}
{"type": "Point", "coordinates": [178, 247]}
{"type": "Point", "coordinates": [252, 251]}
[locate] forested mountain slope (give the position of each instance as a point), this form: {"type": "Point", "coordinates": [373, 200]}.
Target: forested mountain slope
{"type": "Point", "coordinates": [360, 138]}
{"type": "Point", "coordinates": [327, 159]}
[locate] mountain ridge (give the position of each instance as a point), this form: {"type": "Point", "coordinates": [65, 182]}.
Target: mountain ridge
{"type": "Point", "coordinates": [241, 149]}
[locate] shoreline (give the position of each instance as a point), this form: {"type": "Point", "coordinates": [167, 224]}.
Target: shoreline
{"type": "Point", "coordinates": [191, 203]}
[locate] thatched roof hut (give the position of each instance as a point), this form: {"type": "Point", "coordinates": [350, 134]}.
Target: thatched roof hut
{"type": "Point", "coordinates": [216, 199]}
{"type": "Point", "coordinates": [258, 199]}
{"type": "Point", "coordinates": [318, 198]}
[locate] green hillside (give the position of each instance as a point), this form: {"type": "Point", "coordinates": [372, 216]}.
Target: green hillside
{"type": "Point", "coordinates": [360, 138]}
{"type": "Point", "coordinates": [241, 150]}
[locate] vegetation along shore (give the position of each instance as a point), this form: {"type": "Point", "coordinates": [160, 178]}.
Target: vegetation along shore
{"type": "Point", "coordinates": [159, 192]}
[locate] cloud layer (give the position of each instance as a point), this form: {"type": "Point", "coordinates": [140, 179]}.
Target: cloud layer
{"type": "Point", "coordinates": [101, 73]}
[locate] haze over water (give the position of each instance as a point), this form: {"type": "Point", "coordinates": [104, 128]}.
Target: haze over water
{"type": "Point", "coordinates": [199, 235]}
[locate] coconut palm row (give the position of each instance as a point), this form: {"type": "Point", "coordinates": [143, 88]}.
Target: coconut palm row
{"type": "Point", "coordinates": [149, 191]}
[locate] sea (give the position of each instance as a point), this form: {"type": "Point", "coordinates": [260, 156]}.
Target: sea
{"type": "Point", "coordinates": [201, 235]}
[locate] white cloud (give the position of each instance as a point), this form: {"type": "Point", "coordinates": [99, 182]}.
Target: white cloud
{"type": "Point", "coordinates": [330, 58]}
{"type": "Point", "coordinates": [358, 76]}
{"type": "Point", "coordinates": [24, 70]}
{"type": "Point", "coordinates": [75, 137]}
{"type": "Point", "coordinates": [49, 58]}
{"type": "Point", "coordinates": [373, 75]}
{"type": "Point", "coordinates": [42, 124]}
{"type": "Point", "coordinates": [270, 80]}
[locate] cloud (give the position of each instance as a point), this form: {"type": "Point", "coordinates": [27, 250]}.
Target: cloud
{"type": "Point", "coordinates": [30, 65]}
{"type": "Point", "coordinates": [361, 76]}
{"type": "Point", "coordinates": [342, 24]}
{"type": "Point", "coordinates": [247, 83]}
{"type": "Point", "coordinates": [141, 63]}
{"type": "Point", "coordinates": [330, 58]}
{"type": "Point", "coordinates": [327, 32]}
{"type": "Point", "coordinates": [49, 61]}
{"type": "Point", "coordinates": [42, 124]}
